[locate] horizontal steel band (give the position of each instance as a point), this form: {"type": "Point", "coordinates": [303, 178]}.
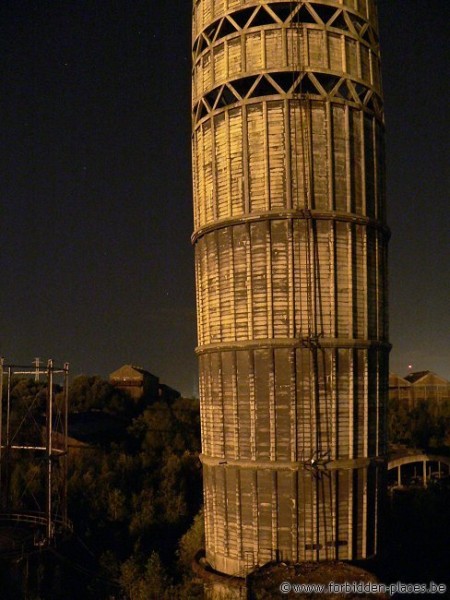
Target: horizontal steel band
{"type": "Point", "coordinates": [199, 119]}
{"type": "Point", "coordinates": [281, 465]}
{"type": "Point", "coordinates": [318, 215]}
{"type": "Point", "coordinates": [293, 343]}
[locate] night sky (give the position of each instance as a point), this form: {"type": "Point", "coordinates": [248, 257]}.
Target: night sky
{"type": "Point", "coordinates": [96, 262]}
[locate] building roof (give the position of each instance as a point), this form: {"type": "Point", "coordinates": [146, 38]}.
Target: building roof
{"type": "Point", "coordinates": [413, 377]}
{"type": "Point", "coordinates": [130, 372]}
{"type": "Point", "coordinates": [397, 381]}
{"type": "Point", "coordinates": [423, 377]}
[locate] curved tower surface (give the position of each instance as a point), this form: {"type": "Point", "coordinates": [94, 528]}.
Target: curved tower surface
{"type": "Point", "coordinates": [290, 243]}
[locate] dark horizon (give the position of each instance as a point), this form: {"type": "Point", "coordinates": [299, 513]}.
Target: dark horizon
{"type": "Point", "coordinates": [96, 259]}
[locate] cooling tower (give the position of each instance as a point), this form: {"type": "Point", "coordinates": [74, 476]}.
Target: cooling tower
{"type": "Point", "coordinates": [290, 244]}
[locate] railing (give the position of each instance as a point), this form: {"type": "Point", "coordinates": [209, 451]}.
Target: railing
{"type": "Point", "coordinates": [35, 518]}
{"type": "Point", "coordinates": [396, 463]}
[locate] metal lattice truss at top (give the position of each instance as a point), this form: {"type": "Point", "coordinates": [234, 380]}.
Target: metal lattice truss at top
{"type": "Point", "coordinates": [291, 83]}
{"type": "Point", "coordinates": [288, 50]}
{"type": "Point", "coordinates": [287, 14]}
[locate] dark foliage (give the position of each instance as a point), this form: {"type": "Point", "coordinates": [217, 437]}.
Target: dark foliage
{"type": "Point", "coordinates": [425, 426]}
{"type": "Point", "coordinates": [134, 486]}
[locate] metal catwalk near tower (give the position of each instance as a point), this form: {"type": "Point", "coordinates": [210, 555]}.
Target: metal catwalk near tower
{"type": "Point", "coordinates": [33, 457]}
{"type": "Point", "coordinates": [290, 241]}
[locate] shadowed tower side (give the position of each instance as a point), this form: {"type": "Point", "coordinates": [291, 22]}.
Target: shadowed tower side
{"type": "Point", "coordinates": [290, 253]}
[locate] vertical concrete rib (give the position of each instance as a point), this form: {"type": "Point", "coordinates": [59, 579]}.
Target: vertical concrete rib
{"type": "Point", "coordinates": [290, 244]}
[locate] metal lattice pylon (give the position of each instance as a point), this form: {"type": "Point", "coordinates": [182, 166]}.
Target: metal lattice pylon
{"type": "Point", "coordinates": [33, 448]}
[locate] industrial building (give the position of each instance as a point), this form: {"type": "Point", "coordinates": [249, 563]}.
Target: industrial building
{"type": "Point", "coordinates": [141, 384]}
{"type": "Point", "coordinates": [290, 241]}
{"type": "Point", "coordinates": [421, 386]}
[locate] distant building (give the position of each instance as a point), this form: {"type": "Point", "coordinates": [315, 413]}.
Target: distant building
{"type": "Point", "coordinates": [139, 383]}
{"type": "Point", "coordinates": [418, 387]}
{"type": "Point", "coordinates": [429, 387]}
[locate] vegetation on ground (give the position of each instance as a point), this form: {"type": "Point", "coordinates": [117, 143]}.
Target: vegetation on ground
{"type": "Point", "coordinates": [426, 426]}
{"type": "Point", "coordinates": [134, 491]}
{"type": "Point", "coordinates": [135, 498]}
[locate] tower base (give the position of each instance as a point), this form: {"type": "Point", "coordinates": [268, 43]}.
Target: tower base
{"type": "Point", "coordinates": [278, 580]}
{"type": "Point", "coordinates": [218, 586]}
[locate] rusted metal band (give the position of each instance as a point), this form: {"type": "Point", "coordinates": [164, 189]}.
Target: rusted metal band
{"type": "Point", "coordinates": [286, 465]}
{"type": "Point", "coordinates": [301, 215]}
{"type": "Point", "coordinates": [321, 343]}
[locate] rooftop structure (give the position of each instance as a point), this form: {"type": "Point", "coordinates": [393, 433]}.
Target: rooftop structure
{"type": "Point", "coordinates": [139, 383]}
{"type": "Point", "coordinates": [422, 386]}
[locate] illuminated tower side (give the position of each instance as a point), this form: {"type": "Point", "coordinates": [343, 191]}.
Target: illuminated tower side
{"type": "Point", "coordinates": [290, 252]}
